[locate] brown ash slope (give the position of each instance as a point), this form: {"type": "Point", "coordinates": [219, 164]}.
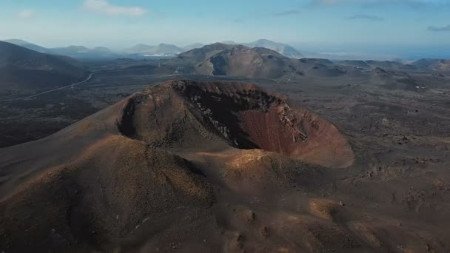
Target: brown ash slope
{"type": "Point", "coordinates": [189, 167]}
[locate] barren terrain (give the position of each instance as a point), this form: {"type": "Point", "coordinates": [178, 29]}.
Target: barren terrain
{"type": "Point", "coordinates": [346, 157]}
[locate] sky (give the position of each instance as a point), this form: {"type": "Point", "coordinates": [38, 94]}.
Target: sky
{"type": "Point", "coordinates": [335, 28]}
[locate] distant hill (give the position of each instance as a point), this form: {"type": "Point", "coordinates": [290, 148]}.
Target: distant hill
{"type": "Point", "coordinates": [139, 48]}
{"type": "Point", "coordinates": [192, 46]}
{"type": "Point", "coordinates": [283, 49]}
{"type": "Point", "coordinates": [438, 65]}
{"type": "Point", "coordinates": [202, 53]}
{"type": "Point", "coordinates": [237, 60]}
{"type": "Point", "coordinates": [24, 69]}
{"type": "Point", "coordinates": [244, 61]}
{"type": "Point", "coordinates": [82, 52]}
{"type": "Point", "coordinates": [79, 52]}
{"type": "Point", "coordinates": [158, 50]}
{"type": "Point", "coordinates": [144, 50]}
{"type": "Point", "coordinates": [29, 45]}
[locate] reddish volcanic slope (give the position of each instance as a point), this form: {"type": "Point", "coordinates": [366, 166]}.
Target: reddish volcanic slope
{"type": "Point", "coordinates": [248, 117]}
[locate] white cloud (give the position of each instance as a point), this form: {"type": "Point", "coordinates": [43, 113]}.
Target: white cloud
{"type": "Point", "coordinates": [103, 6]}
{"type": "Point", "coordinates": [414, 3]}
{"type": "Point", "coordinates": [25, 14]}
{"type": "Point", "coordinates": [365, 17]}
{"type": "Point", "coordinates": [439, 28]}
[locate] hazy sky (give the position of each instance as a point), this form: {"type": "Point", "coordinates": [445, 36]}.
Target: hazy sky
{"type": "Point", "coordinates": [327, 25]}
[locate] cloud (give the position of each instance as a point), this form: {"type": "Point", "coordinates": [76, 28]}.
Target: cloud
{"type": "Point", "coordinates": [366, 17]}
{"type": "Point", "coordinates": [332, 2]}
{"type": "Point", "coordinates": [326, 2]}
{"type": "Point", "coordinates": [411, 3]}
{"type": "Point", "coordinates": [439, 28]}
{"type": "Point", "coordinates": [103, 6]}
{"type": "Point", "coordinates": [26, 14]}
{"type": "Point", "coordinates": [286, 13]}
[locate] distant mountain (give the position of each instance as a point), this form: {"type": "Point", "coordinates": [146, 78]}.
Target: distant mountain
{"type": "Point", "coordinates": [22, 69]}
{"type": "Point", "coordinates": [158, 50]}
{"type": "Point", "coordinates": [237, 60]}
{"type": "Point", "coordinates": [229, 42]}
{"type": "Point", "coordinates": [283, 49]}
{"type": "Point", "coordinates": [439, 65]}
{"type": "Point", "coordinates": [28, 45]}
{"type": "Point", "coordinates": [139, 48]}
{"type": "Point", "coordinates": [144, 50]}
{"type": "Point", "coordinates": [192, 46]}
{"type": "Point", "coordinates": [241, 61]}
{"type": "Point", "coordinates": [81, 52]}
{"type": "Point", "coordinates": [201, 54]}
{"type": "Point", "coordinates": [78, 52]}
{"type": "Point", "coordinates": [71, 50]}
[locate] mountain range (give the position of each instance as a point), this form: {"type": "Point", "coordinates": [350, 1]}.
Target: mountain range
{"type": "Point", "coordinates": [144, 50]}
{"type": "Point", "coordinates": [32, 70]}
{"type": "Point", "coordinates": [158, 50]}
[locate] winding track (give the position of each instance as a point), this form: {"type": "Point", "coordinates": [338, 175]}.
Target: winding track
{"type": "Point", "coordinates": [52, 90]}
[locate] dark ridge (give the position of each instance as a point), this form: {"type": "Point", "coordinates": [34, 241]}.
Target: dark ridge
{"type": "Point", "coordinates": [219, 65]}
{"type": "Point", "coordinates": [125, 124]}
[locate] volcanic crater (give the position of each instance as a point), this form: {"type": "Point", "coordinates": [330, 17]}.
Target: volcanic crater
{"type": "Point", "coordinates": [242, 115]}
